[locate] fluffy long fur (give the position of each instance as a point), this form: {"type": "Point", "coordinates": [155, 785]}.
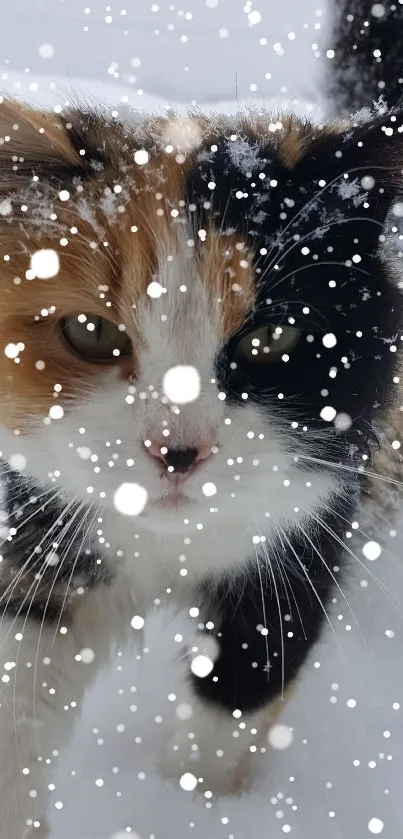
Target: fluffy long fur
{"type": "Point", "coordinates": [206, 243]}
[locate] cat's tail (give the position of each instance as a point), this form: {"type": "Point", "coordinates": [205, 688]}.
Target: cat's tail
{"type": "Point", "coordinates": [367, 41]}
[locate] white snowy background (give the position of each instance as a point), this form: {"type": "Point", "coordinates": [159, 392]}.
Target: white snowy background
{"type": "Point", "coordinates": [341, 777]}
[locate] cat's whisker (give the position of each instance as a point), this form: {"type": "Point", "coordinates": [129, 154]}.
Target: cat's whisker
{"type": "Point", "coordinates": [333, 577]}
{"type": "Point", "coordinates": [38, 581]}
{"type": "Point", "coordinates": [348, 522]}
{"type": "Point", "coordinates": [24, 521]}
{"type": "Point", "coordinates": [346, 548]}
{"type": "Point", "coordinates": [270, 544]}
{"type": "Point", "coordinates": [325, 264]}
{"type": "Point", "coordinates": [264, 616]}
{"type": "Point", "coordinates": [26, 567]}
{"type": "Point", "coordinates": [302, 211]}
{"type": "Point", "coordinates": [277, 308]}
{"type": "Point", "coordinates": [280, 617]}
{"type": "Point", "coordinates": [309, 581]}
{"type": "Point", "coordinates": [85, 535]}
{"type": "Point", "coordinates": [56, 574]}
{"type": "Point", "coordinates": [353, 469]}
{"type": "Point", "coordinates": [281, 254]}
{"type": "Point", "coordinates": [18, 579]}
{"type": "Point", "coordinates": [312, 201]}
{"type": "Point", "coordinates": [282, 564]}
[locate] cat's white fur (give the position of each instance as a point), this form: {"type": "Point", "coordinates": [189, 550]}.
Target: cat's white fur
{"type": "Point", "coordinates": [149, 553]}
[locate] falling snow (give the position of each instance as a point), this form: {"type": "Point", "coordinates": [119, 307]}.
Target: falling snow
{"type": "Point", "coordinates": [378, 10]}
{"type": "Point", "coordinates": [18, 462]}
{"type": "Point", "coordinates": [372, 550]}
{"type": "Point", "coordinates": [397, 209]}
{"type": "Point", "coordinates": [107, 781]}
{"type": "Point", "coordinates": [244, 155]}
{"type": "Point", "coordinates": [367, 182]}
{"type": "Point", "coordinates": [375, 825]}
{"type": "Point", "coordinates": [56, 412]}
{"type": "Point", "coordinates": [343, 421]}
{"type": "Point", "coordinates": [209, 489]}
{"type": "Point", "coordinates": [45, 264]}
{"type": "Point", "coordinates": [6, 207]}
{"type": "Point", "coordinates": [188, 782]}
{"type": "Point", "coordinates": [46, 51]}
{"type": "Point", "coordinates": [328, 413]}
{"type": "Point", "coordinates": [350, 191]}
{"type": "Point", "coordinates": [130, 499]}
{"type": "Point", "coordinates": [137, 622]}
{"type": "Point", "coordinates": [329, 340]}
{"type": "Point", "coordinates": [155, 289]}
{"type": "Point", "coordinates": [181, 384]}
{"type": "Point", "coordinates": [141, 157]}
{"type": "Point", "coordinates": [86, 655]}
{"type": "Point", "coordinates": [201, 666]}
{"type": "Point", "coordinates": [280, 737]}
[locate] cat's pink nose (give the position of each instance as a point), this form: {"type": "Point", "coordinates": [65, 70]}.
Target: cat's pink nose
{"type": "Point", "coordinates": [179, 462]}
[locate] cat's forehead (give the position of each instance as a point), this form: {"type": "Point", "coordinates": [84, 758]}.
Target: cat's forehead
{"type": "Point", "coordinates": [161, 191]}
{"type": "Point", "coordinates": [170, 196]}
{"type": "Point", "coordinates": [183, 190]}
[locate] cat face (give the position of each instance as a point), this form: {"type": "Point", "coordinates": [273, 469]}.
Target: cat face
{"type": "Point", "coordinates": [197, 325]}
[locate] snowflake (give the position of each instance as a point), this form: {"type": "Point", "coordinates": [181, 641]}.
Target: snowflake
{"type": "Point", "coordinates": [130, 499]}
{"type": "Point", "coordinates": [280, 736]}
{"type": "Point", "coordinates": [372, 550]}
{"type": "Point", "coordinates": [45, 263]}
{"type": "Point", "coordinates": [181, 384]}
{"type": "Point", "coordinates": [349, 189]}
{"type": "Point", "coordinates": [243, 155]}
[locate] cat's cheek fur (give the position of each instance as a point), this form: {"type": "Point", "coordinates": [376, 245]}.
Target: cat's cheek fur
{"type": "Point", "coordinates": [258, 486]}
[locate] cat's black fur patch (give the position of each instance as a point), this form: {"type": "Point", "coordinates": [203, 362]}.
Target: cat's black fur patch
{"type": "Point", "coordinates": [269, 616]}
{"type": "Point", "coordinates": [331, 279]}
{"type": "Point", "coordinates": [335, 270]}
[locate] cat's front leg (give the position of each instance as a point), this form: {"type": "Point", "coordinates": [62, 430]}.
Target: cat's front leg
{"type": "Point", "coordinates": [45, 667]}
{"type": "Point", "coordinates": [262, 632]}
{"type": "Point", "coordinates": [214, 749]}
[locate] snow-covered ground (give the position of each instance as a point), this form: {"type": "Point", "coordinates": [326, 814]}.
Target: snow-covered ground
{"type": "Point", "coordinates": [341, 777]}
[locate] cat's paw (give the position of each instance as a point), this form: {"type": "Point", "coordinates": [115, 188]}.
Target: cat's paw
{"type": "Point", "coordinates": [219, 750]}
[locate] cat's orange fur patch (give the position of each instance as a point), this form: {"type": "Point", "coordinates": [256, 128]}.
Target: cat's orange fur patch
{"type": "Point", "coordinates": [110, 235]}
{"type": "Point", "coordinates": [227, 270]}
{"type": "Point", "coordinates": [293, 141]}
{"type": "Point", "coordinates": [108, 238]}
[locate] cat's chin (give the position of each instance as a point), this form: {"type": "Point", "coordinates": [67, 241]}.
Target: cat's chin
{"type": "Point", "coordinates": [167, 516]}
{"type": "Point", "coordinates": [173, 501]}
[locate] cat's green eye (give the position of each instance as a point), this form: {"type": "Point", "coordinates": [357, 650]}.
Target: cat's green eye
{"type": "Point", "coordinates": [268, 345]}
{"type": "Point", "coordinates": [94, 338]}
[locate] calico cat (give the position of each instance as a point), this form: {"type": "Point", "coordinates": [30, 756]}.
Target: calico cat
{"type": "Point", "coordinates": [200, 320]}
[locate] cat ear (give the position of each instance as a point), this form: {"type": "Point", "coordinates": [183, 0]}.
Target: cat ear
{"type": "Point", "coordinates": [33, 142]}
{"type": "Point", "coordinates": [368, 158]}
{"type": "Point", "coordinates": [353, 188]}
